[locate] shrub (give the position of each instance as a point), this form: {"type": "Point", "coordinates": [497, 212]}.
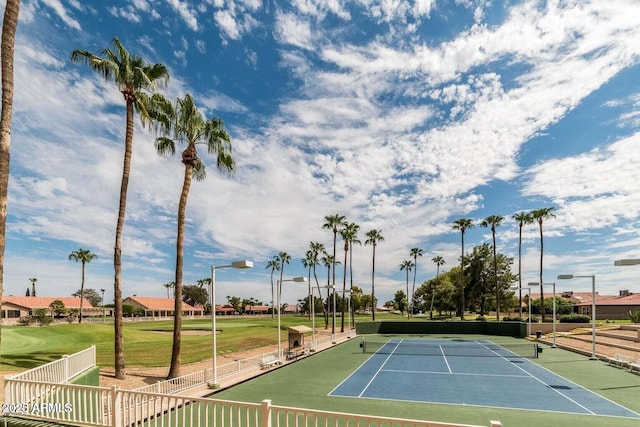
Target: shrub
{"type": "Point", "coordinates": [634, 316]}
{"type": "Point", "coordinates": [24, 321]}
{"type": "Point", "coordinates": [513, 319]}
{"type": "Point", "coordinates": [481, 319]}
{"type": "Point", "coordinates": [575, 318]}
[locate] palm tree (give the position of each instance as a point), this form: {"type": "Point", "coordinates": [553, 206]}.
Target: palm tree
{"type": "Point", "coordinates": [133, 76]}
{"type": "Point", "coordinates": [9, 26]}
{"type": "Point", "coordinates": [334, 223]}
{"type": "Point", "coordinates": [317, 248]}
{"type": "Point", "coordinates": [439, 261]}
{"type": "Point", "coordinates": [462, 225]}
{"type": "Point", "coordinates": [169, 286]}
{"type": "Point", "coordinates": [407, 265]}
{"type": "Point", "coordinates": [84, 256]}
{"type": "Point", "coordinates": [540, 215]}
{"type": "Point", "coordinates": [283, 258]}
{"type": "Point", "coordinates": [307, 262]}
{"type": "Point", "coordinates": [521, 218]}
{"type": "Point", "coordinates": [183, 123]}
{"type": "Point", "coordinates": [33, 281]}
{"type": "Point", "coordinates": [415, 253]}
{"type": "Point", "coordinates": [494, 221]}
{"type": "Point", "coordinates": [328, 261]}
{"type": "Point", "coordinates": [274, 265]}
{"type": "Point", "coordinates": [373, 237]}
{"type": "Point", "coordinates": [349, 233]}
{"type": "Point", "coordinates": [353, 239]}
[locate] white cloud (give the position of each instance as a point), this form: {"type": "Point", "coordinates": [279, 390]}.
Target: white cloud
{"type": "Point", "coordinates": [62, 12]}
{"type": "Point", "coordinates": [188, 15]}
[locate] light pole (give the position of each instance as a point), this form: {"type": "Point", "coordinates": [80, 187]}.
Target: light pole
{"type": "Point", "coordinates": [625, 262]}
{"type": "Point", "coordinates": [212, 301]}
{"type": "Point", "coordinates": [104, 317]}
{"type": "Point", "coordinates": [554, 307]}
{"type": "Point", "coordinates": [517, 288]}
{"type": "Point", "coordinates": [279, 290]}
{"type": "Point", "coordinates": [593, 309]}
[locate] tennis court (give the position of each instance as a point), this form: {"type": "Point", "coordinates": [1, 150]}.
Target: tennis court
{"type": "Point", "coordinates": [469, 372]}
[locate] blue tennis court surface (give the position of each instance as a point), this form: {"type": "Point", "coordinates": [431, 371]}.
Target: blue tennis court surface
{"type": "Point", "coordinates": [469, 372]}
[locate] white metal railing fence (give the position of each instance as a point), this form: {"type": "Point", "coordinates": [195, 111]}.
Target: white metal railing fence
{"type": "Point", "coordinates": [61, 370]}
{"type": "Point", "coordinates": [112, 407]}
{"type": "Point", "coordinates": [185, 382]}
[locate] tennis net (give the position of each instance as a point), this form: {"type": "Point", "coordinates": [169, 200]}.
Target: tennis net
{"type": "Point", "coordinates": [470, 349]}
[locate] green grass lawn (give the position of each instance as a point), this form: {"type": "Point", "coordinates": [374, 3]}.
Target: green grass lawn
{"type": "Point", "coordinates": [145, 343]}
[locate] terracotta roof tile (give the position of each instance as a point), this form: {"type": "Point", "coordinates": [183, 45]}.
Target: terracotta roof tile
{"type": "Point", "coordinates": [154, 303]}
{"type": "Point", "coordinates": [44, 302]}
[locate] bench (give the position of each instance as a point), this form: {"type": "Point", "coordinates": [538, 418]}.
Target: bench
{"type": "Point", "coordinates": [635, 366]}
{"type": "Point", "coordinates": [269, 361]}
{"type": "Point", "coordinates": [296, 352]}
{"type": "Point", "coordinates": [622, 361]}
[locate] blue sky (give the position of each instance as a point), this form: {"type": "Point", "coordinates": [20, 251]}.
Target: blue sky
{"type": "Point", "coordinates": [402, 116]}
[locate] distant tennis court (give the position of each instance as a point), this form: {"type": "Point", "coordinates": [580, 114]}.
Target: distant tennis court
{"type": "Point", "coordinates": [469, 372]}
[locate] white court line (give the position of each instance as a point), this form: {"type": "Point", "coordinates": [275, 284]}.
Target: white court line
{"type": "Point", "coordinates": [542, 382]}
{"type": "Point", "coordinates": [379, 369]}
{"type": "Point", "coordinates": [445, 359]}
{"type": "Point", "coordinates": [470, 374]}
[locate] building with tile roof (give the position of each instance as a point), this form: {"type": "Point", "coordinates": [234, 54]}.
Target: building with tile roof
{"type": "Point", "coordinates": [13, 308]}
{"type": "Point", "coordinates": [160, 307]}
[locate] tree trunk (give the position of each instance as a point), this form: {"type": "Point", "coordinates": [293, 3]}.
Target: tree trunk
{"type": "Point", "coordinates": [81, 293]}
{"type": "Point", "coordinates": [9, 25]}
{"type": "Point", "coordinates": [462, 279]}
{"type": "Point", "coordinates": [117, 253]}
{"type": "Point", "coordinates": [541, 286]}
{"type": "Point", "coordinates": [373, 287]}
{"type": "Point", "coordinates": [174, 369]}
{"type": "Point", "coordinates": [344, 282]}
{"type": "Point", "coordinates": [520, 272]}
{"type": "Point", "coordinates": [495, 275]}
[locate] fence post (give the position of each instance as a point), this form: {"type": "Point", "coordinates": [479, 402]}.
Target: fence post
{"type": "Point", "coordinates": [266, 413]}
{"type": "Point", "coordinates": [93, 351]}
{"type": "Point", "coordinates": [116, 409]}
{"type": "Point", "coordinates": [65, 364]}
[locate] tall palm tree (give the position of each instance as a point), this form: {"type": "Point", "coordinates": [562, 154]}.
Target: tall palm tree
{"type": "Point", "coordinates": [415, 253]}
{"type": "Point", "coordinates": [407, 265]}
{"type": "Point", "coordinates": [334, 223]}
{"type": "Point", "coordinates": [283, 258]}
{"type": "Point", "coordinates": [316, 249]}
{"type": "Point", "coordinates": [307, 262]}
{"type": "Point", "coordinates": [353, 239]}
{"type": "Point", "coordinates": [373, 237]}
{"type": "Point", "coordinates": [33, 281]}
{"type": "Point", "coordinates": [9, 26]}
{"type": "Point", "coordinates": [540, 215]}
{"type": "Point", "coordinates": [84, 256]}
{"type": "Point", "coordinates": [134, 77]}
{"type": "Point", "coordinates": [349, 233]}
{"type": "Point", "coordinates": [494, 221]}
{"type": "Point", "coordinates": [328, 261]}
{"type": "Point", "coordinates": [439, 261]}
{"type": "Point", "coordinates": [462, 225]}
{"type": "Point", "coordinates": [169, 285]}
{"type": "Point", "coordinates": [274, 265]}
{"type": "Point", "coordinates": [521, 218]}
{"type": "Point", "coordinates": [183, 123]}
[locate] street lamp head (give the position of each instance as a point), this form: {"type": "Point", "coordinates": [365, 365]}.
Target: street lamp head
{"type": "Point", "coordinates": [565, 276]}
{"type": "Point", "coordinates": [533, 284]}
{"type": "Point", "coordinates": [242, 264]}
{"type": "Point", "coordinates": [299, 279]}
{"type": "Point", "coordinates": [625, 262]}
